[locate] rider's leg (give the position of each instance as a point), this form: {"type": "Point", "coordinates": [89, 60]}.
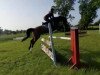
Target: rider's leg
{"type": "Point", "coordinates": [47, 21]}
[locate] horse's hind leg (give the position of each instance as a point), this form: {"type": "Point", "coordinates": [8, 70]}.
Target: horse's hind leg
{"type": "Point", "coordinates": [33, 42]}
{"type": "Point", "coordinates": [30, 47]}
{"type": "Point", "coordinates": [27, 36]}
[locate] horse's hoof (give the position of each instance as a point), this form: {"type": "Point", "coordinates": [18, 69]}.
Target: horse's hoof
{"type": "Point", "coordinates": [30, 49]}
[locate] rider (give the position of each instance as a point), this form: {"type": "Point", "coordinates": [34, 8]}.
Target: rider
{"type": "Point", "coordinates": [49, 16]}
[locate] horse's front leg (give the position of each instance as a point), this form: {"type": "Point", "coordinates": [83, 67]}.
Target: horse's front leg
{"type": "Point", "coordinates": [30, 47]}
{"type": "Point", "coordinates": [33, 42]}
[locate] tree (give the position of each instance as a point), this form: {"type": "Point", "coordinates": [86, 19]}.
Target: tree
{"type": "Point", "coordinates": [88, 10]}
{"type": "Point", "coordinates": [64, 6]}
{"type": "Point", "coordinates": [1, 30]}
{"type": "Point", "coordinates": [6, 31]}
{"type": "Point", "coordinates": [96, 3]}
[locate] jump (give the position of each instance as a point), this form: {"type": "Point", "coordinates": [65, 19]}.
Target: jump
{"type": "Point", "coordinates": [38, 31]}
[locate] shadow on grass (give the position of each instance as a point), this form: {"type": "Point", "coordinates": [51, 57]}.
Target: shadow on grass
{"type": "Point", "coordinates": [89, 60]}
{"type": "Point", "coordinates": [62, 59]}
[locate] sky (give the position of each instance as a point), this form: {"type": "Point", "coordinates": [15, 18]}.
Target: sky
{"type": "Point", "coordinates": [24, 14]}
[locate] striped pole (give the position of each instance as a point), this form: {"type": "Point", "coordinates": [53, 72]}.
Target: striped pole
{"type": "Point", "coordinates": [51, 44]}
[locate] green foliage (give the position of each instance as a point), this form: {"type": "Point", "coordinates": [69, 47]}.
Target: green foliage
{"type": "Point", "coordinates": [96, 3]}
{"type": "Point", "coordinates": [88, 11]}
{"type": "Point", "coordinates": [64, 6]}
{"type": "Point", "coordinates": [1, 30]}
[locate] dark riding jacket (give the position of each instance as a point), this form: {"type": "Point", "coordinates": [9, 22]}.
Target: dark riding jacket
{"type": "Point", "coordinates": [48, 16]}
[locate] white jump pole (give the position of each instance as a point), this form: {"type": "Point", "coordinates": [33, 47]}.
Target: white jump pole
{"type": "Point", "coordinates": [65, 38]}
{"type": "Point", "coordinates": [51, 44]}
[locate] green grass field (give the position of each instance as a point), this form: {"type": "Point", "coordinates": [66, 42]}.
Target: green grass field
{"type": "Point", "coordinates": [15, 58]}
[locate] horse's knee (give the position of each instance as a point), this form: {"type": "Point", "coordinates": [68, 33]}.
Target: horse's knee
{"type": "Point", "coordinates": [32, 42]}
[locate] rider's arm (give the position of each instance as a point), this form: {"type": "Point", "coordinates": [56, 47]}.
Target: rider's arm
{"type": "Point", "coordinates": [52, 16]}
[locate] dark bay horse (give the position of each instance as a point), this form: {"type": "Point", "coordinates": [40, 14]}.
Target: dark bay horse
{"type": "Point", "coordinates": [38, 31]}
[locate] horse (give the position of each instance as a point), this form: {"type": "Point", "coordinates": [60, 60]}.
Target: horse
{"type": "Point", "coordinates": [38, 31]}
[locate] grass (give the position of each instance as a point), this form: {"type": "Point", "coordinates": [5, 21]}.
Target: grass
{"type": "Point", "coordinates": [5, 37]}
{"type": "Point", "coordinates": [15, 59]}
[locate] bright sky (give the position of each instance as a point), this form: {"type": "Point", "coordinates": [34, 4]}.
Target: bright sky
{"type": "Point", "coordinates": [23, 14]}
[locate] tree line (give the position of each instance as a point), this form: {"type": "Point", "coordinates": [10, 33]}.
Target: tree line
{"type": "Point", "coordinates": [6, 31]}
{"type": "Point", "coordinates": [87, 9]}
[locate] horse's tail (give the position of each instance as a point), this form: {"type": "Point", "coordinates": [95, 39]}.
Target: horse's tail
{"type": "Point", "coordinates": [28, 32]}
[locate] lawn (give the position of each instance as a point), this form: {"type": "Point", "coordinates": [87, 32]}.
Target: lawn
{"type": "Point", "coordinates": [15, 58]}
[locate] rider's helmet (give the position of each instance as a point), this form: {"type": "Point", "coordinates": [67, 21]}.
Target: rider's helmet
{"type": "Point", "coordinates": [52, 10]}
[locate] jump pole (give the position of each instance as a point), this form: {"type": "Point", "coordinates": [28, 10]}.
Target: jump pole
{"type": "Point", "coordinates": [52, 44]}
{"type": "Point", "coordinates": [48, 46]}
{"type": "Point", "coordinates": [75, 58]}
